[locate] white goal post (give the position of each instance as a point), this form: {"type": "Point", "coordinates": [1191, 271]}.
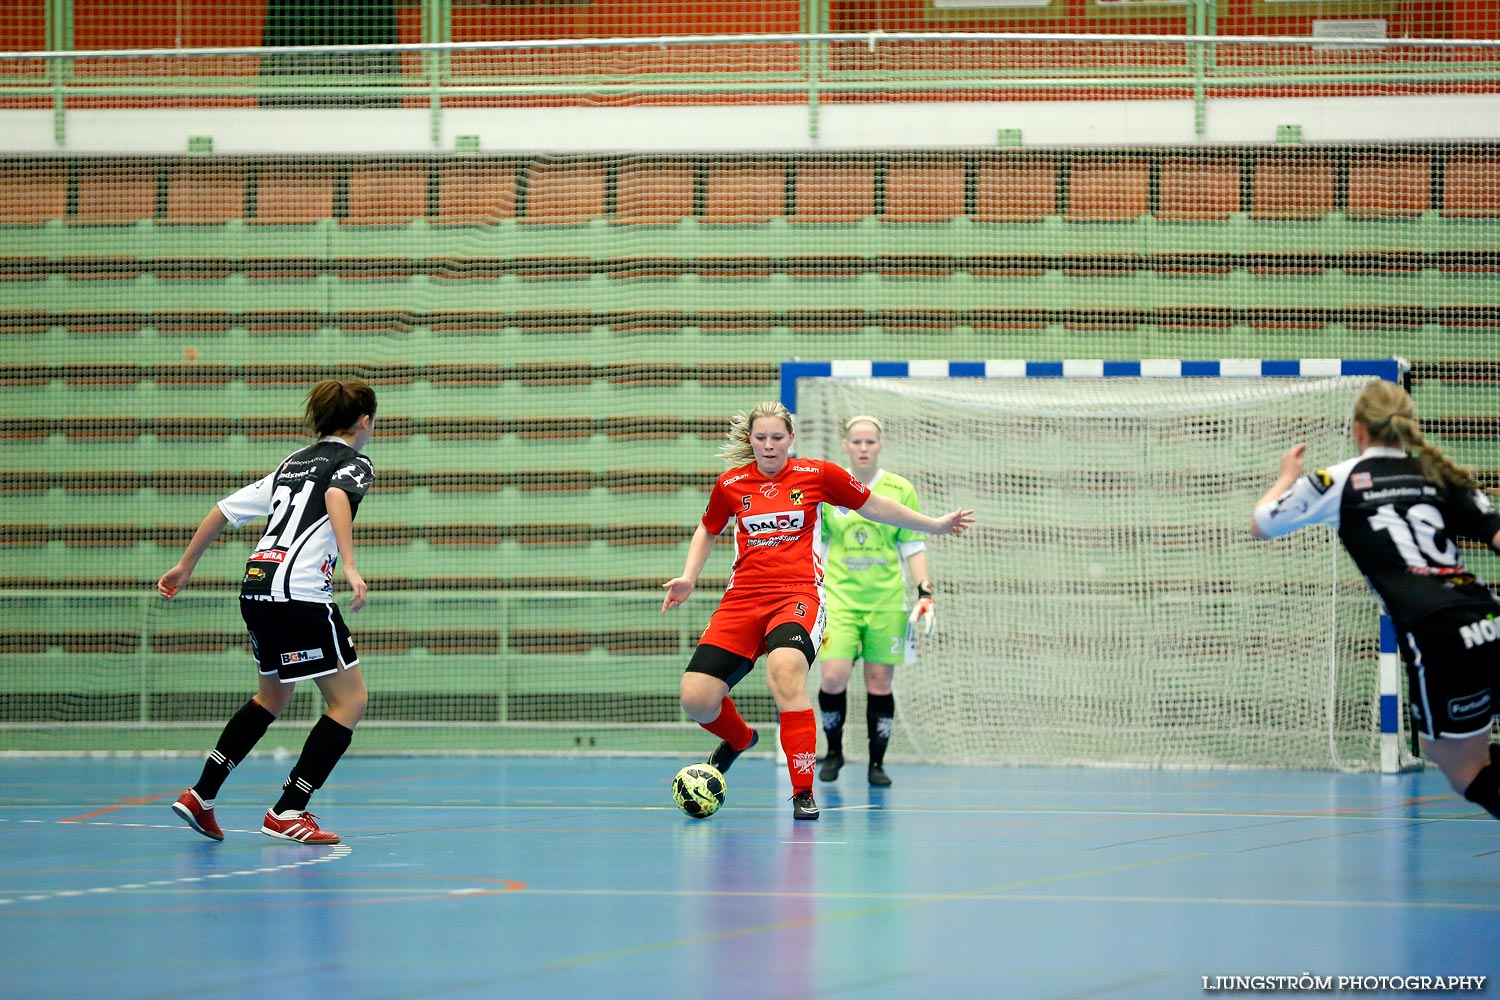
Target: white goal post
{"type": "Point", "coordinates": [1110, 606]}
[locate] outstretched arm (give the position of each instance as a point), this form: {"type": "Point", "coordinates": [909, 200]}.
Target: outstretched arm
{"type": "Point", "coordinates": [894, 512]}
{"type": "Point", "coordinates": [679, 588]}
{"type": "Point", "coordinates": [174, 579]}
{"type": "Point", "coordinates": [1291, 469]}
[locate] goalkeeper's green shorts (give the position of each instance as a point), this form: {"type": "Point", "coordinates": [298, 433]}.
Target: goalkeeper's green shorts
{"type": "Point", "coordinates": [872, 636]}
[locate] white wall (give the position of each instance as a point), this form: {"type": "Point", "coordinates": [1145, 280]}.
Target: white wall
{"type": "Point", "coordinates": [735, 127]}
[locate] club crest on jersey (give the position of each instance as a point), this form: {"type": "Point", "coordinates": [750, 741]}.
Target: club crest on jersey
{"type": "Point", "coordinates": [1361, 481]}
{"type": "Point", "coordinates": [1321, 480]}
{"type": "Point", "coordinates": [777, 521]}
{"type": "Point", "coordinates": [796, 496]}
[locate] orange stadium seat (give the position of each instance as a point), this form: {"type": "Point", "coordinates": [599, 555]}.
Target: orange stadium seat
{"type": "Point", "coordinates": [565, 192]}
{"type": "Point", "coordinates": [1471, 186]}
{"type": "Point", "coordinates": [834, 191]}
{"type": "Point", "coordinates": [653, 191]}
{"type": "Point", "coordinates": [387, 194]}
{"type": "Point", "coordinates": [745, 191]}
{"type": "Point", "coordinates": [1108, 189]}
{"type": "Point", "coordinates": [116, 192]}
{"type": "Point", "coordinates": [205, 194]}
{"type": "Point", "coordinates": [32, 192]}
{"type": "Point", "coordinates": [1195, 188]}
{"type": "Point", "coordinates": [477, 193]}
{"type": "Point", "coordinates": [924, 190]}
{"type": "Point", "coordinates": [1389, 186]}
{"type": "Point", "coordinates": [1292, 186]}
{"type": "Point", "coordinates": [294, 194]}
{"type": "Point", "coordinates": [1016, 189]}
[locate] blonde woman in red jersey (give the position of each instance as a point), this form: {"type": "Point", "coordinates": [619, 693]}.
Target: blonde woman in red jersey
{"type": "Point", "coordinates": [774, 602]}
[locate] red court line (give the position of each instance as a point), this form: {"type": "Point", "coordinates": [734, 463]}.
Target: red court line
{"type": "Point", "coordinates": [123, 803]}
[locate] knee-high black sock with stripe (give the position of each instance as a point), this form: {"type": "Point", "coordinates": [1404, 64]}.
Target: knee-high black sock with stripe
{"type": "Point", "coordinates": [880, 719]}
{"type": "Point", "coordinates": [241, 733]}
{"type": "Point", "coordinates": [325, 745]}
{"type": "Point", "coordinates": [833, 708]}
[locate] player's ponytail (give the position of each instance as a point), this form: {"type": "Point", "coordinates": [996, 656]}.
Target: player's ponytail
{"type": "Point", "coordinates": [1386, 411]}
{"type": "Point", "coordinates": [737, 449]}
{"type": "Point", "coordinates": [335, 405]}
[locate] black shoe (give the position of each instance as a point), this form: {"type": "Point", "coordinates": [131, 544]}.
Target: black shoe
{"type": "Point", "coordinates": [831, 765]}
{"type": "Point", "coordinates": [803, 806]}
{"type": "Point", "coordinates": [878, 777]}
{"type": "Point", "coordinates": [725, 755]}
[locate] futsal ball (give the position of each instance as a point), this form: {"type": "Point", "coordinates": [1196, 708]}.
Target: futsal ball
{"type": "Point", "coordinates": [699, 790]}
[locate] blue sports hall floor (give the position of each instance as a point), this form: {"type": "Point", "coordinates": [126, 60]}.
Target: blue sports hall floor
{"type": "Point", "coordinates": [543, 877]}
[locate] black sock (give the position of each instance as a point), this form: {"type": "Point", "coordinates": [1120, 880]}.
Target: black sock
{"type": "Point", "coordinates": [880, 718]}
{"type": "Point", "coordinates": [325, 745]}
{"type": "Point", "coordinates": [1484, 790]}
{"type": "Point", "coordinates": [833, 708]}
{"type": "Point", "coordinates": [241, 733]}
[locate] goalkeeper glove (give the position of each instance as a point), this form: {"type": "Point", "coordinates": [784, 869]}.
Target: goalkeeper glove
{"type": "Point", "coordinates": [922, 616]}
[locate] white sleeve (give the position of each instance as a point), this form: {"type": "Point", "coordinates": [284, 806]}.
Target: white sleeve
{"type": "Point", "coordinates": [248, 502]}
{"type": "Point", "coordinates": [909, 549]}
{"type": "Point", "coordinates": [1312, 499]}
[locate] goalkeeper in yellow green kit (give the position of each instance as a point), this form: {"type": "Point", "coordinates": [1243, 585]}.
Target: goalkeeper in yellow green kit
{"type": "Point", "coordinates": [865, 582]}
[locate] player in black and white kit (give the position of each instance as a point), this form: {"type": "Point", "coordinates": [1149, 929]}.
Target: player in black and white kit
{"type": "Point", "coordinates": [286, 600]}
{"type": "Point", "coordinates": [1400, 516]}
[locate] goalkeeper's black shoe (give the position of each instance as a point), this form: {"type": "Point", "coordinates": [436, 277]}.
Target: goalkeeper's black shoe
{"type": "Point", "coordinates": [831, 765]}
{"type": "Point", "coordinates": [803, 805]}
{"type": "Point", "coordinates": [878, 777]}
{"type": "Point", "coordinates": [725, 755]}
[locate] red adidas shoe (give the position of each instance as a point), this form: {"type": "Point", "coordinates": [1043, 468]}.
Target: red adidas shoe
{"type": "Point", "coordinates": [301, 827]}
{"type": "Point", "coordinates": [197, 815]}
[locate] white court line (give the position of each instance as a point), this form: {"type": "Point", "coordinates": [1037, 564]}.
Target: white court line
{"type": "Point", "coordinates": [335, 853]}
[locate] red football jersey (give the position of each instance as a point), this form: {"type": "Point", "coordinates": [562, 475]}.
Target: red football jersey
{"type": "Point", "coordinates": [776, 519]}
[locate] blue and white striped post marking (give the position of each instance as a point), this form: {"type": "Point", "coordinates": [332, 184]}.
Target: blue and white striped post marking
{"type": "Point", "coordinates": [1390, 369]}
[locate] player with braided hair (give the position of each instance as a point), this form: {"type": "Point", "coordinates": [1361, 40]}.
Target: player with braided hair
{"type": "Point", "coordinates": [774, 602]}
{"type": "Point", "coordinates": [868, 566]}
{"type": "Point", "coordinates": [1400, 508]}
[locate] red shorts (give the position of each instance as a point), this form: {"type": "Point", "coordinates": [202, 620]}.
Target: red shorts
{"type": "Point", "coordinates": [745, 617]}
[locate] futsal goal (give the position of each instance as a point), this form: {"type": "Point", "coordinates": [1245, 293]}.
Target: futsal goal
{"type": "Point", "coordinates": [1110, 606]}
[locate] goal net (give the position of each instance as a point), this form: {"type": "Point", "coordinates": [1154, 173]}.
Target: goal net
{"type": "Point", "coordinates": [1110, 606]}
